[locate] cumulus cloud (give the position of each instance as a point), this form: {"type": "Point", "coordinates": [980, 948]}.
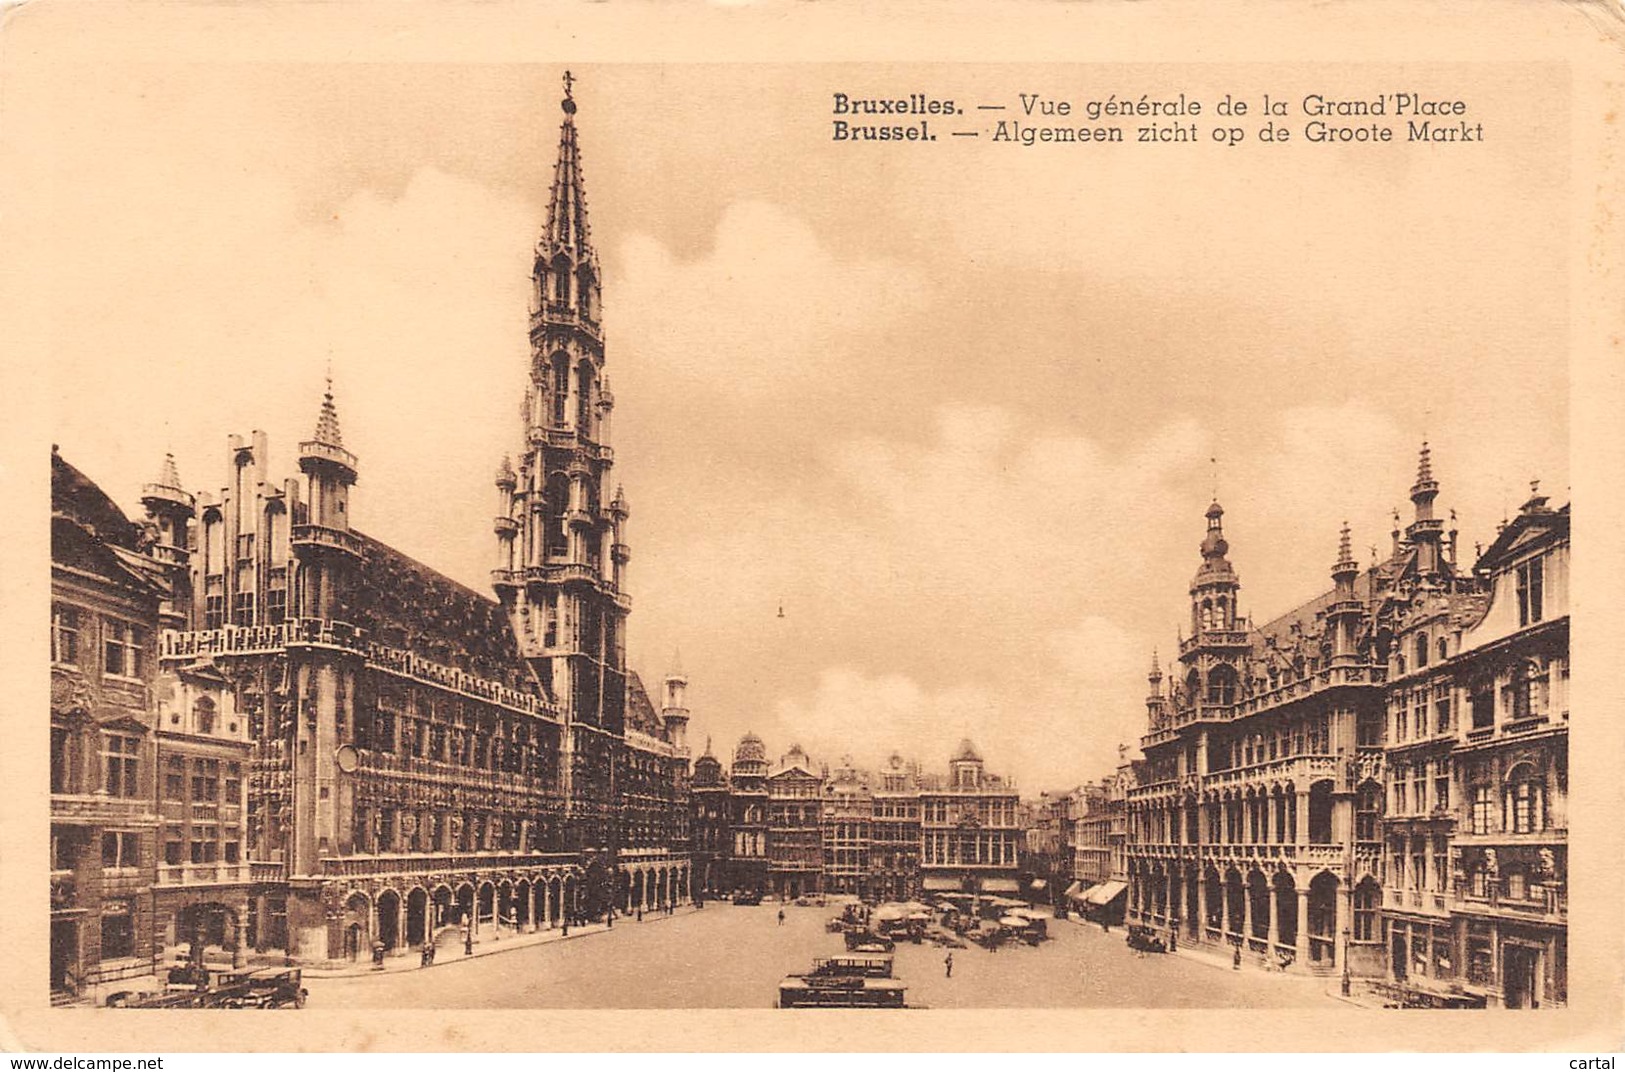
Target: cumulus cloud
{"type": "Point", "coordinates": [767, 309]}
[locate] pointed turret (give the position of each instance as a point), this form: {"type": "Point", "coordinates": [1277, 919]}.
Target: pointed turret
{"type": "Point", "coordinates": [1343, 615]}
{"type": "Point", "coordinates": [168, 504]}
{"type": "Point", "coordinates": [674, 708]}
{"type": "Point", "coordinates": [324, 544]}
{"type": "Point", "coordinates": [1156, 705]}
{"type": "Point", "coordinates": [1426, 533]}
{"type": "Point", "coordinates": [1345, 569]}
{"type": "Point", "coordinates": [324, 451]}
{"type": "Point", "coordinates": [171, 509]}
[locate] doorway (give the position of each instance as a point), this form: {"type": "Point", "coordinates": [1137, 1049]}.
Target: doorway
{"type": "Point", "coordinates": [64, 953]}
{"type": "Point", "coordinates": [1521, 967]}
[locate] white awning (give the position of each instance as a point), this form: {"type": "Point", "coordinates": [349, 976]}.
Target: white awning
{"type": "Point", "coordinates": [1000, 885]}
{"type": "Point", "coordinates": [940, 883]}
{"type": "Point", "coordinates": [1074, 892]}
{"type": "Point", "coordinates": [1105, 893]}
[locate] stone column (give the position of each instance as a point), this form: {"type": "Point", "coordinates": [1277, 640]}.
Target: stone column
{"type": "Point", "coordinates": [1303, 926]}
{"type": "Point", "coordinates": [1224, 907]}
{"type": "Point", "coordinates": [1247, 910]}
{"type": "Point", "coordinates": [1202, 894]}
{"type": "Point", "coordinates": [1275, 919]}
{"type": "Point", "coordinates": [1302, 818]}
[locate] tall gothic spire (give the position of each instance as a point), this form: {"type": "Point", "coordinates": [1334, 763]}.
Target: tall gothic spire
{"type": "Point", "coordinates": [567, 228]}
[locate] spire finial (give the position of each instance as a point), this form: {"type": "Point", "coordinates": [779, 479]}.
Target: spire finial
{"type": "Point", "coordinates": [1534, 487]}
{"type": "Point", "coordinates": [569, 101]}
{"type": "Point", "coordinates": [327, 421]}
{"type": "Point", "coordinates": [1424, 464]}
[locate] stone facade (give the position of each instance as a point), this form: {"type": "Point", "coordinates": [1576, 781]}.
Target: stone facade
{"type": "Point", "coordinates": [895, 833]}
{"type": "Point", "coordinates": [1342, 789]}
{"type": "Point", "coordinates": [332, 745]}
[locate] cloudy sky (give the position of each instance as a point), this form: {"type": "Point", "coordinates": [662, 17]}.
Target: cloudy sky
{"type": "Point", "coordinates": [951, 405]}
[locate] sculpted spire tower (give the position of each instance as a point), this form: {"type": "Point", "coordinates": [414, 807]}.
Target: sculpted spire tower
{"type": "Point", "coordinates": [560, 526]}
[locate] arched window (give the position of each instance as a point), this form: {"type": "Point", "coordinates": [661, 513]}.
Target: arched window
{"type": "Point", "coordinates": [1444, 648]}
{"type": "Point", "coordinates": [584, 293]}
{"type": "Point", "coordinates": [561, 279]}
{"type": "Point", "coordinates": [203, 711]}
{"type": "Point", "coordinates": [1525, 800]}
{"type": "Point", "coordinates": [584, 398]}
{"type": "Point", "coordinates": [1193, 686]}
{"type": "Point", "coordinates": [557, 498]}
{"type": "Point", "coordinates": [1421, 651]}
{"type": "Point", "coordinates": [1527, 691]}
{"type": "Point", "coordinates": [561, 386]}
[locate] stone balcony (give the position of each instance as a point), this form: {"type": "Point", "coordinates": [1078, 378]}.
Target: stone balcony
{"type": "Point", "coordinates": [334, 539]}
{"type": "Point", "coordinates": [1210, 638]}
{"type": "Point", "coordinates": [216, 874]}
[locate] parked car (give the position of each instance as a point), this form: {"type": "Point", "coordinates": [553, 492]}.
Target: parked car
{"type": "Point", "coordinates": [748, 897]}
{"type": "Point", "coordinates": [1144, 938]}
{"type": "Point", "coordinates": [868, 942]}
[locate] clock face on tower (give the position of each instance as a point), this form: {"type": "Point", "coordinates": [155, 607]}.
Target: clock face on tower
{"type": "Point", "coordinates": [347, 758]}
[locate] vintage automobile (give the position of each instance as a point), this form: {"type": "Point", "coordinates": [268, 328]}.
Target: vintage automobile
{"type": "Point", "coordinates": [840, 992]}
{"type": "Point", "coordinates": [748, 897]}
{"type": "Point", "coordinates": [867, 965]}
{"type": "Point", "coordinates": [868, 942]}
{"type": "Point", "coordinates": [265, 988]}
{"type": "Point", "coordinates": [1144, 938]}
{"type": "Point", "coordinates": [189, 988]}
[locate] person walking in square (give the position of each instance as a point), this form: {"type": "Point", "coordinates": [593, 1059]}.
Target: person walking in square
{"type": "Point", "coordinates": [948, 966]}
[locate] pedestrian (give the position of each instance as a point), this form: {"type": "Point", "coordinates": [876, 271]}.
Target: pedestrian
{"type": "Point", "coordinates": [948, 965]}
{"type": "Point", "coordinates": [468, 940]}
{"type": "Point", "coordinates": [781, 917]}
{"type": "Point", "coordinates": [1235, 962]}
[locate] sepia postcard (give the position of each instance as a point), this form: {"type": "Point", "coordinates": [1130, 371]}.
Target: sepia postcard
{"type": "Point", "coordinates": [704, 524]}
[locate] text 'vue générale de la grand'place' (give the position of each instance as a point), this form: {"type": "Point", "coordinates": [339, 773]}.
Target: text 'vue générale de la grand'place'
{"type": "Point", "coordinates": [1161, 117]}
